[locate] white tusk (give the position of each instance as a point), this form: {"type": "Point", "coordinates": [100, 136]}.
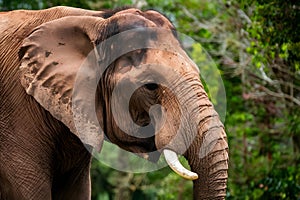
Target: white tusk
{"type": "Point", "coordinates": [173, 162]}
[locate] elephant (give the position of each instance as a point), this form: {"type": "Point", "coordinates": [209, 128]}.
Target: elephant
{"type": "Point", "coordinates": [45, 150]}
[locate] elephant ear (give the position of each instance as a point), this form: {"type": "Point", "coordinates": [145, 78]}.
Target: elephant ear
{"type": "Point", "coordinates": [51, 59]}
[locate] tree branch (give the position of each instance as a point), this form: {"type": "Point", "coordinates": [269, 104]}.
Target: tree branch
{"type": "Point", "coordinates": [280, 95]}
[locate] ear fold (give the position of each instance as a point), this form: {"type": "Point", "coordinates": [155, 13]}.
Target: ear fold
{"type": "Point", "coordinates": [51, 58]}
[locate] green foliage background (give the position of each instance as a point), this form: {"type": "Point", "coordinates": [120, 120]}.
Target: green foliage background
{"type": "Point", "coordinates": [256, 46]}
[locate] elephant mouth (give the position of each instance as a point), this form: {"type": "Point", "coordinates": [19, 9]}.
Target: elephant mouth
{"type": "Point", "coordinates": [151, 156]}
{"type": "Point", "coordinates": [142, 143]}
{"type": "Point", "coordinates": [172, 161]}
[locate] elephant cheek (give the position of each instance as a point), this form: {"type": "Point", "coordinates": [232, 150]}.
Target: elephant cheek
{"type": "Point", "coordinates": [168, 130]}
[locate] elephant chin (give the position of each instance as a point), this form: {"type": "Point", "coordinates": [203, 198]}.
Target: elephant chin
{"type": "Point", "coordinates": [172, 160]}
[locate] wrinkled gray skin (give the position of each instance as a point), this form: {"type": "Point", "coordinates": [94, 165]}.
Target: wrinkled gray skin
{"type": "Point", "coordinates": [41, 155]}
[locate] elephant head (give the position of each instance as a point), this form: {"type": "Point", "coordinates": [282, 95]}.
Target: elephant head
{"type": "Point", "coordinates": [126, 78]}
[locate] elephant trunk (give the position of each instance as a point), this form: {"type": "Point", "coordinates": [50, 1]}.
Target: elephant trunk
{"type": "Point", "coordinates": [211, 169]}
{"type": "Point", "coordinates": [208, 157]}
{"type": "Point", "coordinates": [201, 139]}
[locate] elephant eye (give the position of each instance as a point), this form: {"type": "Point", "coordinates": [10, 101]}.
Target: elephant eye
{"type": "Point", "coordinates": [151, 86]}
{"type": "Point", "coordinates": [124, 64]}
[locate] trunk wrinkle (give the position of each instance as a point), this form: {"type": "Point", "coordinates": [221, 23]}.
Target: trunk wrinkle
{"type": "Point", "coordinates": [210, 161]}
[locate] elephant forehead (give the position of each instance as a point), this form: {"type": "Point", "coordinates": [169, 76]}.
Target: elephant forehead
{"type": "Point", "coordinates": [168, 61]}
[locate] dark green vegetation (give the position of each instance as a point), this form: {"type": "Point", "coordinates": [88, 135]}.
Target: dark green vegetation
{"type": "Point", "coordinates": [256, 45]}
